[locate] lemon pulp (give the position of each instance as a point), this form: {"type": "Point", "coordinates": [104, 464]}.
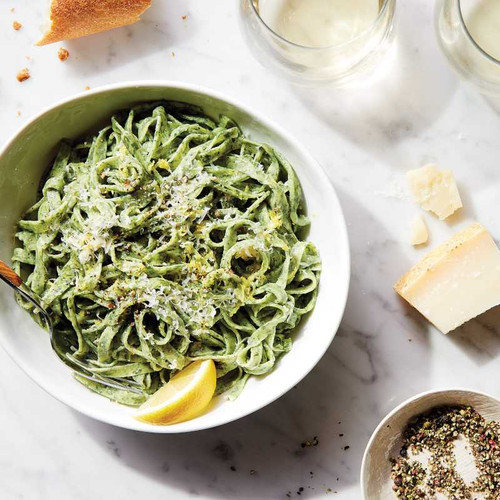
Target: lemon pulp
{"type": "Point", "coordinates": [184, 397]}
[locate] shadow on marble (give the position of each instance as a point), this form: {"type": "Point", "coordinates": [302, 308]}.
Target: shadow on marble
{"type": "Point", "coordinates": [161, 29]}
{"type": "Point", "coordinates": [400, 101]}
{"type": "Point", "coordinates": [479, 338]}
{"type": "Point", "coordinates": [398, 334]}
{"type": "Point", "coordinates": [493, 102]}
{"type": "Point", "coordinates": [258, 457]}
{"type": "Point", "coordinates": [266, 455]}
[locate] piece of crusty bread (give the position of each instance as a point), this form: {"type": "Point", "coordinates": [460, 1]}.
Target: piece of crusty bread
{"type": "Point", "coordinates": [75, 18]}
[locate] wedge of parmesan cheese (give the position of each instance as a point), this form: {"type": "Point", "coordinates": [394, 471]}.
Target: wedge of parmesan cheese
{"type": "Point", "coordinates": [418, 231]}
{"type": "Point", "coordinates": [456, 281]}
{"type": "Point", "coordinates": [436, 191]}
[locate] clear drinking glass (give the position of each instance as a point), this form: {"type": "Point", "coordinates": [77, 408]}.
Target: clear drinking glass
{"type": "Point", "coordinates": [337, 63]}
{"type": "Point", "coordinates": [461, 26]}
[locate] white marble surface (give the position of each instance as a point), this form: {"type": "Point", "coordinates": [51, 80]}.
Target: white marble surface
{"type": "Point", "coordinates": [414, 111]}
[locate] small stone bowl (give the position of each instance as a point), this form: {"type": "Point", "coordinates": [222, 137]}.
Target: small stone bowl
{"type": "Point", "coordinates": [386, 441]}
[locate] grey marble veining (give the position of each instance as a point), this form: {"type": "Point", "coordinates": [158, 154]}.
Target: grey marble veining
{"type": "Point", "coordinates": [414, 110]}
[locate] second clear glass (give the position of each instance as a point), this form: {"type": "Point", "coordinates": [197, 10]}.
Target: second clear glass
{"type": "Point", "coordinates": [455, 22]}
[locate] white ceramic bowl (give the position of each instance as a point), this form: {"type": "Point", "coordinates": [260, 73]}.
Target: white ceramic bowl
{"type": "Point", "coordinates": [386, 440]}
{"type": "Point", "coordinates": [22, 163]}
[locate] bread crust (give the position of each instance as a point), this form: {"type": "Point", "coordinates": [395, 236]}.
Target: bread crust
{"type": "Point", "coordinates": [75, 18]}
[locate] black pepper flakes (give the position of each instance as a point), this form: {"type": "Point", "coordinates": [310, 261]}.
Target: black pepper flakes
{"type": "Point", "coordinates": [435, 432]}
{"type": "Point", "coordinates": [307, 443]}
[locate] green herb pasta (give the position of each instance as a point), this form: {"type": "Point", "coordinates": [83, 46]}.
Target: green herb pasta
{"type": "Point", "coordinates": [167, 238]}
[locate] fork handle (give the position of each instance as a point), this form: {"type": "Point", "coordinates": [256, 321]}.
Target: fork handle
{"type": "Point", "coordinates": [9, 274]}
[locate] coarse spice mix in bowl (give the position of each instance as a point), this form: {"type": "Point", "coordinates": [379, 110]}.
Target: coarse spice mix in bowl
{"type": "Point", "coordinates": [438, 442]}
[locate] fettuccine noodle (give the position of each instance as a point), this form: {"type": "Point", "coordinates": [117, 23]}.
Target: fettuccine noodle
{"type": "Point", "coordinates": [167, 238]}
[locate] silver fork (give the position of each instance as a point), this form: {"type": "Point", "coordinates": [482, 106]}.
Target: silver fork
{"type": "Point", "coordinates": [8, 276]}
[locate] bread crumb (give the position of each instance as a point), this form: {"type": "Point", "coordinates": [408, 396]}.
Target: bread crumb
{"type": "Point", "coordinates": [17, 25]}
{"type": "Point", "coordinates": [63, 54]}
{"type": "Point", "coordinates": [87, 87]}
{"type": "Point", "coordinates": [18, 113]}
{"type": "Point", "coordinates": [24, 74]}
{"type": "Point", "coordinates": [173, 53]}
{"type": "Point", "coordinates": [28, 57]}
{"type": "Point", "coordinates": [13, 10]}
{"type": "Point", "coordinates": [184, 17]}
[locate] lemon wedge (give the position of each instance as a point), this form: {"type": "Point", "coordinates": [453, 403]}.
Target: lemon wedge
{"type": "Point", "coordinates": [184, 397]}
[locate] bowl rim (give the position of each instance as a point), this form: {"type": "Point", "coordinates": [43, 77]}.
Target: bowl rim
{"type": "Point", "coordinates": [342, 241]}
{"type": "Point", "coordinates": [362, 477]}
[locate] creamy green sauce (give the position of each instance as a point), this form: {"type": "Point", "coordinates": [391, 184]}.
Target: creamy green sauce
{"type": "Point", "coordinates": [166, 238]}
